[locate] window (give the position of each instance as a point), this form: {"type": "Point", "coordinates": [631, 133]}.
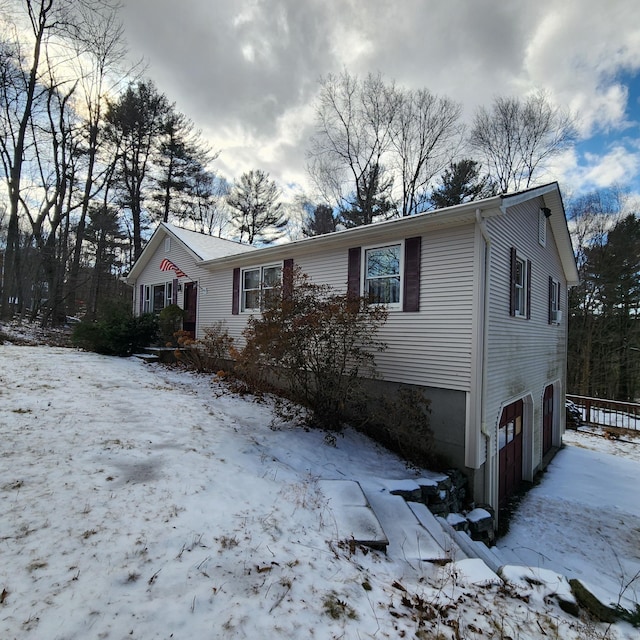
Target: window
{"type": "Point", "coordinates": [259, 286]}
{"type": "Point", "coordinates": [520, 284]}
{"type": "Point", "coordinates": [157, 296]}
{"type": "Point", "coordinates": [520, 299]}
{"type": "Point", "coordinates": [389, 274]}
{"type": "Point", "coordinates": [555, 314]}
{"type": "Point", "coordinates": [382, 275]}
{"type": "Point", "coordinates": [167, 245]}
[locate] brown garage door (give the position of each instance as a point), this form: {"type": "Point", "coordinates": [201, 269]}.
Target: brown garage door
{"type": "Point", "coordinates": [510, 443]}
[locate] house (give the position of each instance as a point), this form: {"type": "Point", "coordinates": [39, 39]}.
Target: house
{"type": "Point", "coordinates": [477, 299]}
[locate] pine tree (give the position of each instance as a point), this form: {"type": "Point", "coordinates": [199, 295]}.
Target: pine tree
{"type": "Point", "coordinates": [461, 183]}
{"type": "Point", "coordinates": [258, 214]}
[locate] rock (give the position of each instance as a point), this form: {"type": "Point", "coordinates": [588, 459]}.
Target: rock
{"type": "Point", "coordinates": [591, 603]}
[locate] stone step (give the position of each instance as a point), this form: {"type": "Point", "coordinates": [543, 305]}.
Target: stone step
{"type": "Point", "coordinates": [474, 548]}
{"type": "Point", "coordinates": [408, 538]}
{"type": "Point", "coordinates": [355, 521]}
{"type": "Point", "coordinates": [431, 524]}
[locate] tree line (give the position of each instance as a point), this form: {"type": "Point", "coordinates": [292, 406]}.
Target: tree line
{"type": "Point", "coordinates": [604, 320]}
{"type": "Point", "coordinates": [94, 155]}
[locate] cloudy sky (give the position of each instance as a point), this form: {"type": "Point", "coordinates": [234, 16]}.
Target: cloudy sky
{"type": "Point", "coordinates": [246, 71]}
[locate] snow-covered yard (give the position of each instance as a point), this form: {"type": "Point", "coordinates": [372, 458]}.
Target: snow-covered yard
{"type": "Point", "coordinates": [144, 502]}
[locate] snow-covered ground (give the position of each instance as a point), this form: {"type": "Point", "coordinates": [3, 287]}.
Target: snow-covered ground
{"type": "Point", "coordinates": [138, 501]}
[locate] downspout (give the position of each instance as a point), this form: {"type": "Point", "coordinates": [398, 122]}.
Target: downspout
{"type": "Point", "coordinates": [489, 479]}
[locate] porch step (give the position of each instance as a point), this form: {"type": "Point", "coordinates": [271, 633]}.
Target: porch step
{"type": "Point", "coordinates": [147, 357]}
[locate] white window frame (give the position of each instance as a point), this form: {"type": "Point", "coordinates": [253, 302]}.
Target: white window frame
{"type": "Point", "coordinates": [167, 245]}
{"type": "Point", "coordinates": [148, 295]}
{"type": "Point", "coordinates": [261, 289]}
{"type": "Point", "coordinates": [366, 251]}
{"type": "Point", "coordinates": [521, 287]}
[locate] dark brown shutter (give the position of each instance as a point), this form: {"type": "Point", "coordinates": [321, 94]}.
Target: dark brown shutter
{"type": "Point", "coordinates": [235, 302]}
{"type": "Point", "coordinates": [353, 274]}
{"type": "Point", "coordinates": [528, 289]}
{"type": "Point", "coordinates": [174, 291]}
{"type": "Point", "coordinates": [287, 279]}
{"type": "Point", "coordinates": [141, 299]}
{"type": "Point", "coordinates": [412, 251]}
{"type": "Point", "coordinates": [550, 320]}
{"type": "Point", "coordinates": [512, 284]}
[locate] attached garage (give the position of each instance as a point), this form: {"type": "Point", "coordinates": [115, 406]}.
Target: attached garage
{"type": "Point", "coordinates": [510, 442]}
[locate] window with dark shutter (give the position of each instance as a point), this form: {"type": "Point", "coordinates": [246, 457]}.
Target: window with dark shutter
{"type": "Point", "coordinates": [555, 315]}
{"type": "Point", "coordinates": [353, 273]}
{"type": "Point", "coordinates": [412, 251]}
{"type": "Point", "coordinates": [520, 286]}
{"type": "Point", "coordinates": [235, 302]}
{"type": "Point", "coordinates": [287, 278]}
{"type": "Point", "coordinates": [528, 285]}
{"type": "Point", "coordinates": [512, 294]}
{"type": "Point", "coordinates": [174, 292]}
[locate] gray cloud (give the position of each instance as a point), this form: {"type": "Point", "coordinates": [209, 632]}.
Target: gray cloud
{"type": "Point", "coordinates": [247, 71]}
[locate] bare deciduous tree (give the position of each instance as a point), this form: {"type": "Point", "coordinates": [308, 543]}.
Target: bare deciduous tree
{"type": "Point", "coordinates": [426, 137]}
{"type": "Point", "coordinates": [517, 138]}
{"type": "Point", "coordinates": [21, 87]}
{"type": "Point", "coordinates": [99, 48]}
{"type": "Point", "coordinates": [379, 147]}
{"type": "Point", "coordinates": [355, 121]}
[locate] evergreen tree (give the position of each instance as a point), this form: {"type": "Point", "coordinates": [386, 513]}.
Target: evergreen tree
{"type": "Point", "coordinates": [135, 123]}
{"type": "Point", "coordinates": [604, 331]}
{"type": "Point", "coordinates": [258, 214]}
{"type": "Point", "coordinates": [461, 183]}
{"type": "Point", "coordinates": [182, 161]}
{"type": "Point", "coordinates": [371, 200]}
{"type": "Point", "coordinates": [321, 220]}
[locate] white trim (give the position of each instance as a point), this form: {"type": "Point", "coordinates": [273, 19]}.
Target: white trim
{"type": "Point", "coordinates": [521, 312]}
{"type": "Point", "coordinates": [148, 296]}
{"type": "Point", "coordinates": [260, 289]}
{"type": "Point", "coordinates": [393, 306]}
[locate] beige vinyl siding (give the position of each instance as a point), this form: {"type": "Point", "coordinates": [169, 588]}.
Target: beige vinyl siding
{"type": "Point", "coordinates": [151, 274]}
{"type": "Point", "coordinates": [328, 267]}
{"type": "Point", "coordinates": [432, 347]}
{"type": "Point", "coordinates": [216, 307]}
{"type": "Point", "coordinates": [524, 355]}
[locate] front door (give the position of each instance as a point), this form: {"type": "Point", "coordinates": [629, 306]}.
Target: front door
{"type": "Point", "coordinates": [510, 443]}
{"type": "Point", "coordinates": [547, 420]}
{"type": "Point", "coordinates": [190, 308]}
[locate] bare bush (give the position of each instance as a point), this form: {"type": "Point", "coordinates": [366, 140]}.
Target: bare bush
{"type": "Point", "coordinates": [208, 354]}
{"type": "Point", "coordinates": [317, 345]}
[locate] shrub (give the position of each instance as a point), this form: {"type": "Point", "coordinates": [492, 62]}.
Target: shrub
{"type": "Point", "coordinates": [117, 333]}
{"type": "Point", "coordinates": [169, 322]}
{"type": "Point", "coordinates": [210, 353]}
{"type": "Point", "coordinates": [317, 344]}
